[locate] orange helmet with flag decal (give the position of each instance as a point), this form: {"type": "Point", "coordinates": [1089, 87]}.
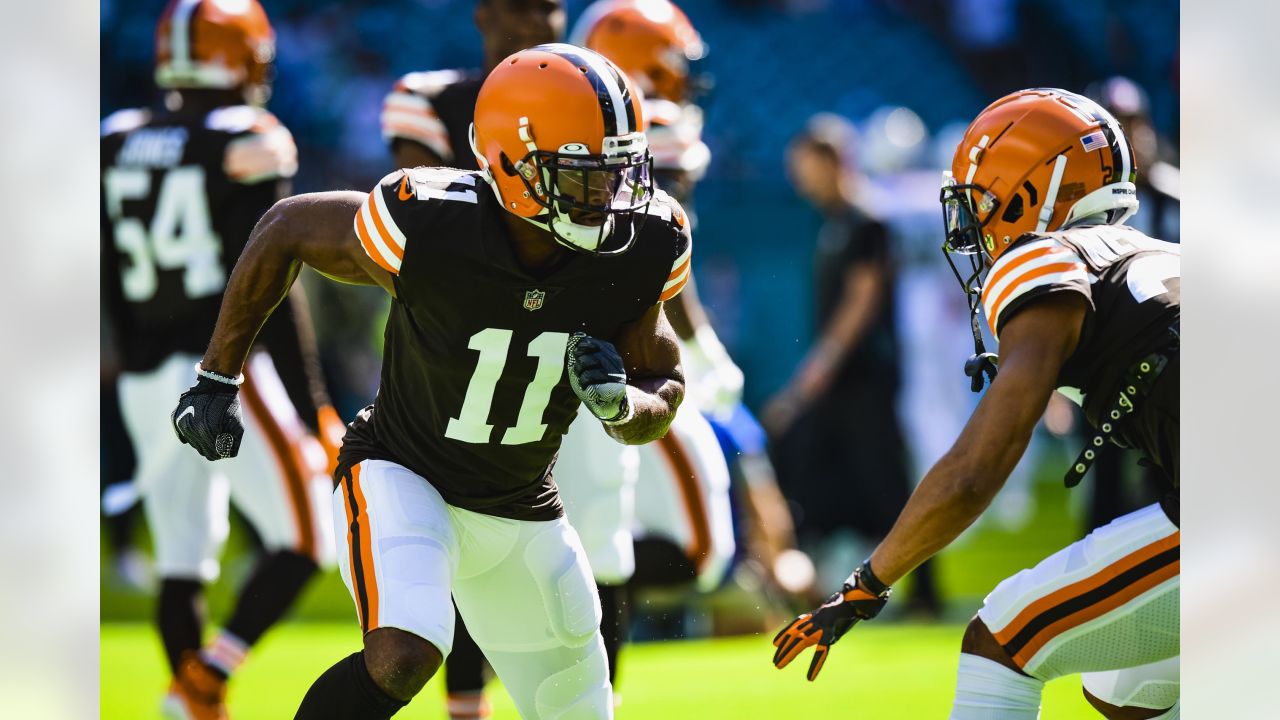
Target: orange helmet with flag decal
{"type": "Point", "coordinates": [222, 44]}
{"type": "Point", "coordinates": [558, 133]}
{"type": "Point", "coordinates": [1036, 161]}
{"type": "Point", "coordinates": [651, 40]}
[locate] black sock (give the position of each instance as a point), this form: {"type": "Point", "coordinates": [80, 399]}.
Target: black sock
{"type": "Point", "coordinates": [661, 562]}
{"type": "Point", "coordinates": [464, 670]}
{"type": "Point", "coordinates": [270, 590]}
{"type": "Point", "coordinates": [614, 625]}
{"type": "Point", "coordinates": [180, 615]}
{"type": "Point", "coordinates": [347, 692]}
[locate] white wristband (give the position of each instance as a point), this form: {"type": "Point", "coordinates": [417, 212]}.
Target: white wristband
{"type": "Point", "coordinates": [236, 381]}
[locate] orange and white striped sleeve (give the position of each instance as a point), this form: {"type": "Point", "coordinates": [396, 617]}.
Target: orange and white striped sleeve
{"type": "Point", "coordinates": [1028, 271]}
{"type": "Point", "coordinates": [407, 113]}
{"type": "Point", "coordinates": [682, 268]}
{"type": "Point", "coordinates": [380, 235]}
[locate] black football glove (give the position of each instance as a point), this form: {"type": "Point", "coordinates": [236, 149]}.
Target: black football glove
{"type": "Point", "coordinates": [598, 377]}
{"type": "Point", "coordinates": [208, 418]}
{"type": "Point", "coordinates": [827, 624]}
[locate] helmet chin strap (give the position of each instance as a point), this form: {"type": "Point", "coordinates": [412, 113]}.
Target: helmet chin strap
{"type": "Point", "coordinates": [1051, 197]}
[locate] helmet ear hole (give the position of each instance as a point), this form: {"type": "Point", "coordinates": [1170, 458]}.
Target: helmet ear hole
{"type": "Point", "coordinates": [507, 167]}
{"type": "Point", "coordinates": [1013, 211]}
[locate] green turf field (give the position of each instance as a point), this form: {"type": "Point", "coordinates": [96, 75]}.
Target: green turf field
{"type": "Point", "coordinates": [886, 671]}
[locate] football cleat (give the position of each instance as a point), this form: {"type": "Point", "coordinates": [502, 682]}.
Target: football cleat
{"type": "Point", "coordinates": [197, 692]}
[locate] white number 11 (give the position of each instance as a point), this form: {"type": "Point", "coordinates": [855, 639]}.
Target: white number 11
{"type": "Point", "coordinates": [492, 343]}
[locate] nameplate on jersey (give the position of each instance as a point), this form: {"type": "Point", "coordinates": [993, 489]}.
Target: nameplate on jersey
{"type": "Point", "coordinates": [438, 184]}
{"type": "Point", "coordinates": [159, 147]}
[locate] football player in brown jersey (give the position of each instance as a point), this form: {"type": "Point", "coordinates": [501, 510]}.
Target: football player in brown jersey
{"type": "Point", "coordinates": [520, 290]}
{"type": "Point", "coordinates": [426, 115]}
{"type": "Point", "coordinates": [183, 183]}
{"type": "Point", "coordinates": [1036, 198]}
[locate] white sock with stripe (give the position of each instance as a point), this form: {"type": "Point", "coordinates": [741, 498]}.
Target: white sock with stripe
{"type": "Point", "coordinates": [226, 653]}
{"type": "Point", "coordinates": [987, 690]}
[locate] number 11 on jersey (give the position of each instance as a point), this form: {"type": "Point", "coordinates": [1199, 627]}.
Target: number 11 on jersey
{"type": "Point", "coordinates": [493, 343]}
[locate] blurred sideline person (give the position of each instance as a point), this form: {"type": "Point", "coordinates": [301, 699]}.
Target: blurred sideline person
{"type": "Point", "coordinates": [683, 529]}
{"type": "Point", "coordinates": [1159, 184]}
{"type": "Point", "coordinates": [183, 185]}
{"type": "Point", "coordinates": [520, 290]}
{"type": "Point", "coordinates": [838, 442]}
{"type": "Point", "coordinates": [426, 119]}
{"type": "Point", "coordinates": [1036, 198]}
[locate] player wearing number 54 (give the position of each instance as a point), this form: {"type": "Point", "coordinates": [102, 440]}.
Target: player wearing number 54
{"type": "Point", "coordinates": [558, 251]}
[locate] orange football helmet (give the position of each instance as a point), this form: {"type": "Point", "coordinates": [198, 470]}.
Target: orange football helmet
{"type": "Point", "coordinates": [1036, 160]}
{"type": "Point", "coordinates": [558, 134]}
{"type": "Point", "coordinates": [224, 44]}
{"type": "Point", "coordinates": [651, 40]}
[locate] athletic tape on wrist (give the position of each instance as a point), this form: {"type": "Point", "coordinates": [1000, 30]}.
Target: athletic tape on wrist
{"type": "Point", "coordinates": [236, 381]}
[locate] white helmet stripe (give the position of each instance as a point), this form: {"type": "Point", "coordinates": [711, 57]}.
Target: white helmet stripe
{"type": "Point", "coordinates": [180, 30]}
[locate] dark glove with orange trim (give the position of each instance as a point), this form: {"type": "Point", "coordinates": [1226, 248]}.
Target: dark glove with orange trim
{"type": "Point", "coordinates": [822, 627]}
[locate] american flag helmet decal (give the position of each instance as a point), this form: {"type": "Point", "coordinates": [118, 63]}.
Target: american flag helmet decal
{"type": "Point", "coordinates": [1095, 140]}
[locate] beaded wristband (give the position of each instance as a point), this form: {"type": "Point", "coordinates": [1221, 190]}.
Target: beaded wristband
{"type": "Point", "coordinates": [236, 381]}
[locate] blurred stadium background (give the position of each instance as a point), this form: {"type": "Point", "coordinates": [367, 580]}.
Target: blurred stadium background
{"type": "Point", "coordinates": [909, 74]}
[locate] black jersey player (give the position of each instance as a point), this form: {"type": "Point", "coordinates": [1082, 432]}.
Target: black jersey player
{"type": "Point", "coordinates": [426, 116]}
{"type": "Point", "coordinates": [1039, 187]}
{"type": "Point", "coordinates": [555, 256]}
{"type": "Point", "coordinates": [182, 185]}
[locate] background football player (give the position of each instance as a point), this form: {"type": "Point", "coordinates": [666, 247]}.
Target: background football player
{"type": "Point", "coordinates": [683, 524]}
{"type": "Point", "coordinates": [426, 115]}
{"type": "Point", "coordinates": [1039, 189]}
{"type": "Point", "coordinates": [563, 260]}
{"type": "Point", "coordinates": [183, 184]}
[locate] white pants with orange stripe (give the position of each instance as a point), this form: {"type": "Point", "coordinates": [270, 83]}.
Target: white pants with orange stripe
{"type": "Point", "coordinates": [523, 587]}
{"type": "Point", "coordinates": [683, 495]}
{"type": "Point", "coordinates": [1106, 606]}
{"type": "Point", "coordinates": [597, 479]}
{"type": "Point", "coordinates": [278, 480]}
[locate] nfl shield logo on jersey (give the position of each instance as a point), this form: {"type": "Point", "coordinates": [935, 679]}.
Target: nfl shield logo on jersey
{"type": "Point", "coordinates": [533, 299]}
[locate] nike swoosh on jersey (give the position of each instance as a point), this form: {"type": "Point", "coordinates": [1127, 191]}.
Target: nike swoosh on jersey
{"type": "Point", "coordinates": [191, 410]}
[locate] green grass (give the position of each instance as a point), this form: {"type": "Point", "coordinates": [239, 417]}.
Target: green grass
{"type": "Point", "coordinates": [878, 671]}
{"type": "Point", "coordinates": [882, 670]}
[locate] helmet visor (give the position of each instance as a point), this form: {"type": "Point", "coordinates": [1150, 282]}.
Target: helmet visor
{"type": "Point", "coordinates": [959, 217]}
{"type": "Point", "coordinates": [963, 231]}
{"type": "Point", "coordinates": [589, 188]}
